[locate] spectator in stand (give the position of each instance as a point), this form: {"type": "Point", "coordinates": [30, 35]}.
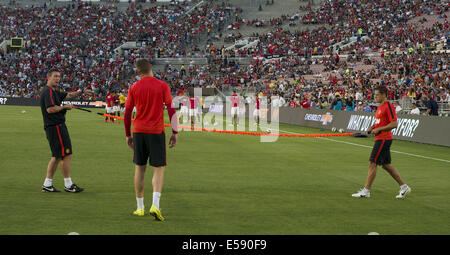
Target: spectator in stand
{"type": "Point", "coordinates": [323, 103]}
{"type": "Point", "coordinates": [337, 103]}
{"type": "Point", "coordinates": [350, 104]}
{"type": "Point", "coordinates": [415, 109]}
{"type": "Point", "coordinates": [432, 106]}
{"type": "Point", "coordinates": [359, 107]}
{"type": "Point", "coordinates": [398, 108]}
{"type": "Point", "coordinates": [367, 108]}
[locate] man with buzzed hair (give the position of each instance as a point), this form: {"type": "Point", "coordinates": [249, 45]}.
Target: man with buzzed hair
{"type": "Point", "coordinates": [149, 95]}
{"type": "Point", "coordinates": [54, 116]}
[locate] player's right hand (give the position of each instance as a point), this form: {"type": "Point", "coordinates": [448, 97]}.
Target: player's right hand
{"type": "Point", "coordinates": [173, 140]}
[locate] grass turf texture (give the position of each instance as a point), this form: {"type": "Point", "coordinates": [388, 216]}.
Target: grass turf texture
{"type": "Point", "coordinates": [216, 184]}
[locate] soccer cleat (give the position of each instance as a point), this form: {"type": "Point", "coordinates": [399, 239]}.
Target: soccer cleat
{"type": "Point", "coordinates": [49, 189]}
{"type": "Point", "coordinates": [73, 189]}
{"type": "Point", "coordinates": [362, 193]}
{"type": "Point", "coordinates": [139, 212]}
{"type": "Point", "coordinates": [156, 213]}
{"type": "Point", "coordinates": [403, 192]}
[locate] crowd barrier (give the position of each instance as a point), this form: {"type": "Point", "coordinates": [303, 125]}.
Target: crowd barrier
{"type": "Point", "coordinates": [415, 128]}
{"type": "Point", "coordinates": [35, 102]}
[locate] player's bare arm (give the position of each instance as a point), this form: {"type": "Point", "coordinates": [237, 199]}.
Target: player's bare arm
{"type": "Point", "coordinates": [72, 95]}
{"type": "Point", "coordinates": [388, 127]}
{"type": "Point", "coordinates": [56, 108]}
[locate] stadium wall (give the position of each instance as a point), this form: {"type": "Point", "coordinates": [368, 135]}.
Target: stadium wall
{"type": "Point", "coordinates": [415, 128]}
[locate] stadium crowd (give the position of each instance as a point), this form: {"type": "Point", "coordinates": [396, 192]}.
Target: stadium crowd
{"type": "Point", "coordinates": [85, 50]}
{"type": "Point", "coordinates": [355, 46]}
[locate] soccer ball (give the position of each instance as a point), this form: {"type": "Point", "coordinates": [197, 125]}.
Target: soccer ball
{"type": "Point", "coordinates": [333, 129]}
{"type": "Point", "coordinates": [269, 130]}
{"type": "Point", "coordinates": [341, 130]}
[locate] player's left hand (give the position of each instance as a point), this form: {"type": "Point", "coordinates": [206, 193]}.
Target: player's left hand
{"type": "Point", "coordinates": [130, 142]}
{"type": "Point", "coordinates": [88, 92]}
{"type": "Point", "coordinates": [375, 131]}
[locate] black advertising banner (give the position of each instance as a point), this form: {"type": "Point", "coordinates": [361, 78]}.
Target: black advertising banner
{"type": "Point", "coordinates": [19, 101]}
{"type": "Point", "coordinates": [35, 102]}
{"type": "Point", "coordinates": [415, 128]}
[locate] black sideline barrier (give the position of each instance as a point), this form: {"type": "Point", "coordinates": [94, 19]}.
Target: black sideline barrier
{"type": "Point", "coordinates": [414, 128]}
{"type": "Point", "coordinates": [35, 102]}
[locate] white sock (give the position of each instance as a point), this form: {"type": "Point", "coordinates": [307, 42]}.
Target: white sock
{"type": "Point", "coordinates": [48, 182]}
{"type": "Point", "coordinates": [404, 186]}
{"type": "Point", "coordinates": [140, 203]}
{"type": "Point", "coordinates": [67, 182]}
{"type": "Point", "coordinates": [156, 197]}
{"type": "Point", "coordinates": [366, 190]}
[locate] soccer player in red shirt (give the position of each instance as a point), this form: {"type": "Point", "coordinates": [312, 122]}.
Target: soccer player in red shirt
{"type": "Point", "coordinates": [149, 95]}
{"type": "Point", "coordinates": [109, 106]}
{"type": "Point", "coordinates": [193, 109]}
{"type": "Point", "coordinates": [257, 111]}
{"type": "Point", "coordinates": [116, 108]}
{"type": "Point", "coordinates": [385, 121]}
{"type": "Point", "coordinates": [184, 100]}
{"type": "Point", "coordinates": [234, 108]}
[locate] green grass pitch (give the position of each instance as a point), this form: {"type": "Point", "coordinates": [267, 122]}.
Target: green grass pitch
{"type": "Point", "coordinates": [216, 184]}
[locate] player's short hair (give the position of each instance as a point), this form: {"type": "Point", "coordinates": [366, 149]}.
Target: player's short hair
{"type": "Point", "coordinates": [143, 66]}
{"type": "Point", "coordinates": [382, 89]}
{"type": "Point", "coordinates": [51, 71]}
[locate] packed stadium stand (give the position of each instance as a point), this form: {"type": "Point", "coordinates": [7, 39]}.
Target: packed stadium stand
{"type": "Point", "coordinates": [312, 53]}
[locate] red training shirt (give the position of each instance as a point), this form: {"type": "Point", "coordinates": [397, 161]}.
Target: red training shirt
{"type": "Point", "coordinates": [149, 95]}
{"type": "Point", "coordinates": [109, 99]}
{"type": "Point", "coordinates": [385, 114]}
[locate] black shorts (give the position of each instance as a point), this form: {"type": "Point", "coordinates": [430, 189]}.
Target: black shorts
{"type": "Point", "coordinates": [59, 140]}
{"type": "Point", "coordinates": [381, 152]}
{"type": "Point", "coordinates": [151, 146]}
{"type": "Point", "coordinates": [122, 105]}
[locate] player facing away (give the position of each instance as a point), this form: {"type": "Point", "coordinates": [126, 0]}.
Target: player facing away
{"type": "Point", "coordinates": [234, 108]}
{"type": "Point", "coordinates": [184, 100]}
{"type": "Point", "coordinates": [116, 107]}
{"type": "Point", "coordinates": [54, 116]}
{"type": "Point", "coordinates": [109, 106]}
{"type": "Point", "coordinates": [198, 110]}
{"type": "Point", "coordinates": [385, 121]}
{"type": "Point", "coordinates": [193, 109]}
{"type": "Point", "coordinates": [149, 95]}
{"type": "Point", "coordinates": [257, 111]}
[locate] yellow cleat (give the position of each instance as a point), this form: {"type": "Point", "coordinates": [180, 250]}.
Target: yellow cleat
{"type": "Point", "coordinates": [139, 212]}
{"type": "Point", "coordinates": [156, 213]}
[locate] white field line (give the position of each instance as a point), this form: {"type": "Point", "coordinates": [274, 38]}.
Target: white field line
{"type": "Point", "coordinates": [365, 146]}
